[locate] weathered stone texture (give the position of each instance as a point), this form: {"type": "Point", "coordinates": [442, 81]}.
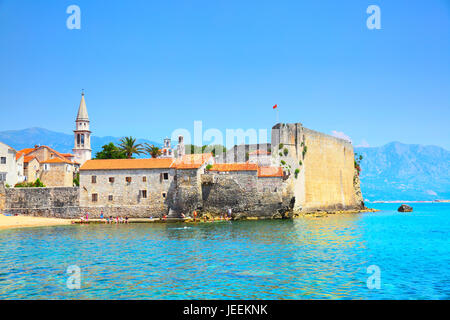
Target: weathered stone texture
{"type": "Point", "coordinates": [61, 202]}
{"type": "Point", "coordinates": [245, 194]}
{"type": "Point", "coordinates": [326, 174]}
{"type": "Point", "coordinates": [128, 194]}
{"type": "Point", "coordinates": [329, 172]}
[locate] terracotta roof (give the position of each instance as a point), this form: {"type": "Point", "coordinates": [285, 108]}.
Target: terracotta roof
{"type": "Point", "coordinates": [270, 172]}
{"type": "Point", "coordinates": [225, 167]}
{"type": "Point", "coordinates": [124, 164]}
{"type": "Point", "coordinates": [57, 160]}
{"type": "Point", "coordinates": [191, 161]}
{"type": "Point", "coordinates": [62, 156]}
{"type": "Point", "coordinates": [26, 150]}
{"type": "Point", "coordinates": [18, 155]}
{"type": "Point", "coordinates": [259, 152]}
{"type": "Point", "coordinates": [27, 159]}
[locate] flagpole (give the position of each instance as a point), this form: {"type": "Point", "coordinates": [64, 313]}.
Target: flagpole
{"type": "Point", "coordinates": [278, 116]}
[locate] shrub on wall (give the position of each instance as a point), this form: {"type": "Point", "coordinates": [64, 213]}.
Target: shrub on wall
{"type": "Point", "coordinates": [37, 184]}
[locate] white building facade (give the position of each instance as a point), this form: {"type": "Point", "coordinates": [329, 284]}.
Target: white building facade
{"type": "Point", "coordinates": [11, 169]}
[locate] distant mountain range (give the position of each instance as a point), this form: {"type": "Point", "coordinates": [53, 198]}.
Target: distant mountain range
{"type": "Point", "coordinates": [395, 171]}
{"type": "Point", "coordinates": [398, 171]}
{"type": "Point", "coordinates": [28, 138]}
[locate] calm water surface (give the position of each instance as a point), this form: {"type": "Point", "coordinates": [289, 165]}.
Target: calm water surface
{"type": "Point", "coordinates": [325, 258]}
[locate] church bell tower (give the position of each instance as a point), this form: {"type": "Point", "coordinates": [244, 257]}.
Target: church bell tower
{"type": "Point", "coordinates": [82, 146]}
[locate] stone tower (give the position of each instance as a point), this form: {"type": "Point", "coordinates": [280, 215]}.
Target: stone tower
{"type": "Point", "coordinates": [180, 147]}
{"type": "Point", "coordinates": [82, 146]}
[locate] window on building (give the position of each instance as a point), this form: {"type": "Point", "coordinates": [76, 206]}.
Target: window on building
{"type": "Point", "coordinates": [111, 179]}
{"type": "Point", "coordinates": [128, 179]}
{"type": "Point", "coordinates": [78, 139]}
{"type": "Point", "coordinates": [46, 167]}
{"type": "Point", "coordinates": [110, 197]}
{"type": "Point", "coordinates": [144, 194]}
{"type": "Point", "coordinates": [166, 176]}
{"type": "Point", "coordinates": [82, 139]}
{"type": "Point", "coordinates": [144, 179]}
{"type": "Point", "coordinates": [3, 160]}
{"type": "Point", "coordinates": [94, 179]}
{"type": "Point", "coordinates": [2, 176]}
{"type": "Point", "coordinates": [164, 195]}
{"type": "Point", "coordinates": [94, 197]}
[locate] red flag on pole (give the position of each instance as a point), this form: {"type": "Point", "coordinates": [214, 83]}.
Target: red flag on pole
{"type": "Point", "coordinates": [275, 106]}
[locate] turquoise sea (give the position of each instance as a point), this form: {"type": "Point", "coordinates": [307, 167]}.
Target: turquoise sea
{"type": "Point", "coordinates": [311, 258]}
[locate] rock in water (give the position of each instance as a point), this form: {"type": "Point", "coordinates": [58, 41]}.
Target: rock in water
{"type": "Point", "coordinates": [405, 208]}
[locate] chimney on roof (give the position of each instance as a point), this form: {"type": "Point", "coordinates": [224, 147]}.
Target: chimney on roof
{"type": "Point", "coordinates": [36, 146]}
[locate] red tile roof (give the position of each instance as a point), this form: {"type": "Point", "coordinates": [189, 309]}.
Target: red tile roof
{"type": "Point", "coordinates": [27, 159]}
{"type": "Point", "coordinates": [270, 172]}
{"type": "Point", "coordinates": [124, 164]}
{"type": "Point", "coordinates": [226, 167]}
{"type": "Point", "coordinates": [191, 161]}
{"type": "Point", "coordinates": [57, 160]}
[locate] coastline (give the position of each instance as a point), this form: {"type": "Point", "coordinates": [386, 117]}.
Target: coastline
{"type": "Point", "coordinates": [11, 222]}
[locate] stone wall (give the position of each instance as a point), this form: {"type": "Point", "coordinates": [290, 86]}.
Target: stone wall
{"type": "Point", "coordinates": [58, 202]}
{"type": "Point", "coordinates": [127, 195]}
{"type": "Point", "coordinates": [329, 172]}
{"type": "Point", "coordinates": [2, 196]}
{"type": "Point", "coordinates": [58, 175]}
{"type": "Point", "coordinates": [246, 195]}
{"type": "Point", "coordinates": [326, 168]}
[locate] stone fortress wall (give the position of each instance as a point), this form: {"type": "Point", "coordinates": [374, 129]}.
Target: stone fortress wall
{"type": "Point", "coordinates": [56, 202]}
{"type": "Point", "coordinates": [326, 178]}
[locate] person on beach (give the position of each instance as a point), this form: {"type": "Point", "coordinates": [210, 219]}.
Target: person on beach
{"type": "Point", "coordinates": [117, 219]}
{"type": "Point", "coordinates": [126, 219]}
{"type": "Point", "coordinates": [229, 213]}
{"type": "Point", "coordinates": [87, 216]}
{"type": "Point", "coordinates": [182, 215]}
{"type": "Point", "coordinates": [164, 217]}
{"type": "Point", "coordinates": [111, 219]}
{"type": "Point", "coordinates": [101, 215]}
{"type": "Point", "coordinates": [195, 215]}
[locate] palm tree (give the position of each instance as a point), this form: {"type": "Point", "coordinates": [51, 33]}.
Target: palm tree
{"type": "Point", "coordinates": [129, 146]}
{"type": "Point", "coordinates": [153, 151]}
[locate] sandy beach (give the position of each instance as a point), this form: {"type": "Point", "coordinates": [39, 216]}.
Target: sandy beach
{"type": "Point", "coordinates": [7, 222]}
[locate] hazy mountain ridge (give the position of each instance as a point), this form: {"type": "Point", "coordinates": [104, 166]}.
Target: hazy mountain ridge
{"type": "Point", "coordinates": [28, 138]}
{"type": "Point", "coordinates": [398, 171]}
{"type": "Point", "coordinates": [395, 171]}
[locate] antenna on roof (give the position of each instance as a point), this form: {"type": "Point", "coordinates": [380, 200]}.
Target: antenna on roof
{"type": "Point", "coordinates": [82, 92]}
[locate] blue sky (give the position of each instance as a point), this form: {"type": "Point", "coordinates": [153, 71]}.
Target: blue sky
{"type": "Point", "coordinates": [149, 67]}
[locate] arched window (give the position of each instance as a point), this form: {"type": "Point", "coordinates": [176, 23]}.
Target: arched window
{"type": "Point", "coordinates": [78, 139]}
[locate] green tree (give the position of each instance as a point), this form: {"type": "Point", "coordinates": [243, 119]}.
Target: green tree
{"type": "Point", "coordinates": [110, 151]}
{"type": "Point", "coordinates": [76, 180]}
{"type": "Point", "coordinates": [215, 149]}
{"type": "Point", "coordinates": [130, 147]}
{"type": "Point", "coordinates": [152, 150]}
